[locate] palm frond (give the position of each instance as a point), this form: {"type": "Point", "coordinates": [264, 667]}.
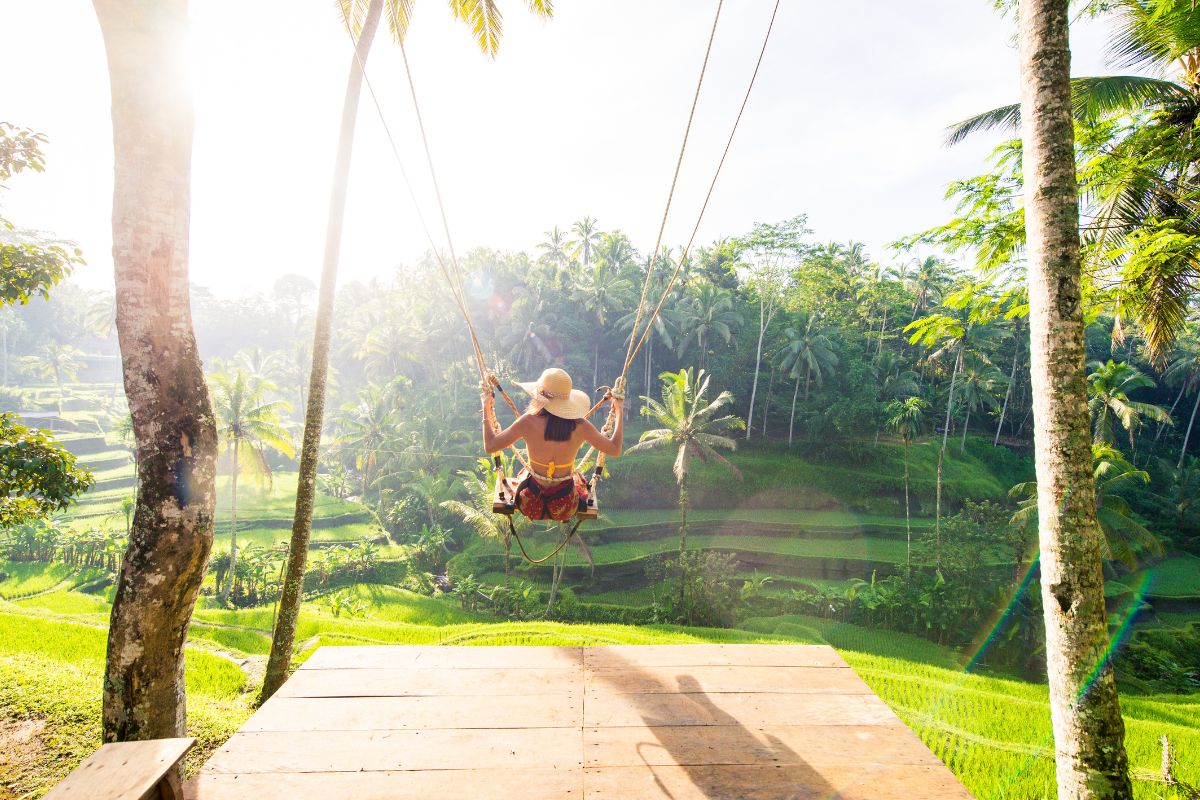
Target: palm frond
{"type": "Point", "coordinates": [709, 452]}
{"type": "Point", "coordinates": [1005, 118]}
{"type": "Point", "coordinates": [1153, 34]}
{"type": "Point", "coordinates": [399, 16]}
{"type": "Point", "coordinates": [1094, 98]}
{"type": "Point", "coordinates": [484, 19]}
{"type": "Point", "coordinates": [543, 8]}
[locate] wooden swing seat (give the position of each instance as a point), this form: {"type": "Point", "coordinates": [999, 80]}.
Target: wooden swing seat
{"type": "Point", "coordinates": [504, 499]}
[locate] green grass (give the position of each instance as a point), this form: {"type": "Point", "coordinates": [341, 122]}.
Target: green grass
{"type": "Point", "coordinates": [863, 548]}
{"type": "Point", "coordinates": [278, 501]}
{"type": "Point", "coordinates": [800, 518]}
{"type": "Point", "coordinates": [992, 731]}
{"type": "Point", "coordinates": [26, 577]}
{"type": "Point", "coordinates": [1177, 577]}
{"type": "Point", "coordinates": [69, 603]}
{"type": "Point", "coordinates": [804, 479]}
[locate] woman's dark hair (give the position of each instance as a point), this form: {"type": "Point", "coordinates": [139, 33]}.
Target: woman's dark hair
{"type": "Point", "coordinates": [557, 428]}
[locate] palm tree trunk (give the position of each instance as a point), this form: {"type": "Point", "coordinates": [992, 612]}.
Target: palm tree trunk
{"type": "Point", "coordinates": [962, 447]}
{"type": "Point", "coordinates": [1089, 732]}
{"type": "Point", "coordinates": [767, 402]}
{"type": "Point", "coordinates": [233, 553]}
{"type": "Point", "coordinates": [792, 420]}
{"type": "Point", "coordinates": [173, 425]}
{"type": "Point", "coordinates": [950, 397]}
{"type": "Point", "coordinates": [907, 517]}
{"type": "Point", "coordinates": [807, 380]}
{"type": "Point", "coordinates": [596, 363]}
{"type": "Point", "coordinates": [1012, 377]}
{"type": "Point", "coordinates": [1171, 413]}
{"type": "Point", "coordinates": [1188, 434]}
{"type": "Point", "coordinates": [937, 512]}
{"type": "Point", "coordinates": [762, 330]}
{"type": "Point", "coordinates": [284, 636]}
{"type": "Point", "coordinates": [683, 509]}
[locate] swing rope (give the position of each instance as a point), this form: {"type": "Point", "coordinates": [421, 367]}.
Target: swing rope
{"type": "Point", "coordinates": [453, 276]}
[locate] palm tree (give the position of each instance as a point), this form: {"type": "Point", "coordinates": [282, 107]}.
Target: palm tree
{"type": "Point", "coordinates": [690, 425]}
{"type": "Point", "coordinates": [907, 418]}
{"type": "Point", "coordinates": [1185, 371]}
{"type": "Point", "coordinates": [59, 363]}
{"type": "Point", "coordinates": [245, 422]}
{"type": "Point", "coordinates": [366, 426]}
{"type": "Point", "coordinates": [164, 380]}
{"type": "Point", "coordinates": [953, 336]}
{"type": "Point", "coordinates": [1151, 170]}
{"type": "Point", "coordinates": [585, 236]}
{"type": "Point", "coordinates": [1089, 732]}
{"type": "Point", "coordinates": [1125, 539]}
{"type": "Point", "coordinates": [929, 283]}
{"type": "Point", "coordinates": [554, 248]}
{"type": "Point", "coordinates": [1109, 386]}
{"type": "Point", "coordinates": [978, 384]}
{"type": "Point", "coordinates": [601, 291]}
{"type": "Point", "coordinates": [708, 313]}
{"type": "Point", "coordinates": [362, 18]}
{"type": "Point", "coordinates": [808, 352]}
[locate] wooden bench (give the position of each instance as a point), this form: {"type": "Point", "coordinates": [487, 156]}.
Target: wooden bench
{"type": "Point", "coordinates": [504, 500]}
{"type": "Point", "coordinates": [127, 771]}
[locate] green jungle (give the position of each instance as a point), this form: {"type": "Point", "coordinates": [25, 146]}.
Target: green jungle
{"type": "Point", "coordinates": [822, 445]}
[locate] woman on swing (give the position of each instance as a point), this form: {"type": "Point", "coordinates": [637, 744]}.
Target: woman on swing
{"type": "Point", "coordinates": [554, 427]}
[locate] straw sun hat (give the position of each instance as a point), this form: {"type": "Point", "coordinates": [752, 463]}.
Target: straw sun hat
{"type": "Point", "coordinates": [553, 392]}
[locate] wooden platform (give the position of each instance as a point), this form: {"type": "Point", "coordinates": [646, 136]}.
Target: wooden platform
{"type": "Point", "coordinates": [628, 722]}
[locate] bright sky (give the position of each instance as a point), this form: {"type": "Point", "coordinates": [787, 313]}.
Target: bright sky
{"type": "Point", "coordinates": [580, 115]}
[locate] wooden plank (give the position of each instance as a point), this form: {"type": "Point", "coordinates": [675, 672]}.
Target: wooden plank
{"type": "Point", "coordinates": [823, 745]}
{"type": "Point", "coordinates": [438, 657]}
{"type": "Point", "coordinates": [406, 713]}
{"type": "Point", "coordinates": [786, 782]}
{"type": "Point", "coordinates": [123, 770]}
{"type": "Point", "coordinates": [413, 682]}
{"type": "Point", "coordinates": [381, 751]}
{"type": "Point", "coordinates": [494, 784]}
{"type": "Point", "coordinates": [694, 655]}
{"type": "Point", "coordinates": [755, 709]}
{"type": "Point", "coordinates": [660, 680]}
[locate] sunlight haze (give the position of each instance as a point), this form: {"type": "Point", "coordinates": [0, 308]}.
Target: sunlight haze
{"type": "Point", "coordinates": [579, 115]}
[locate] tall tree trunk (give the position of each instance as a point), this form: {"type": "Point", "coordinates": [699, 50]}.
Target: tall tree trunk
{"type": "Point", "coordinates": [937, 512]}
{"type": "Point", "coordinates": [767, 402]}
{"type": "Point", "coordinates": [1012, 378]}
{"type": "Point", "coordinates": [284, 637]}
{"type": "Point", "coordinates": [1089, 732]}
{"type": "Point", "coordinates": [907, 517]}
{"type": "Point", "coordinates": [958, 360]}
{"type": "Point", "coordinates": [176, 438]}
{"type": "Point", "coordinates": [1188, 434]}
{"type": "Point", "coordinates": [1171, 413]}
{"type": "Point", "coordinates": [962, 447]}
{"type": "Point", "coordinates": [233, 486]}
{"type": "Point", "coordinates": [762, 330]}
{"type": "Point", "coordinates": [792, 420]}
{"type": "Point", "coordinates": [683, 509]}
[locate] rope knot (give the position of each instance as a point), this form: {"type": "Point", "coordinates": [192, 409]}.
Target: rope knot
{"type": "Point", "coordinates": [618, 389]}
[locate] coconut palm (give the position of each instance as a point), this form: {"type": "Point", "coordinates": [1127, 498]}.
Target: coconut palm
{"type": "Point", "coordinates": [1139, 198]}
{"type": "Point", "coordinates": [1184, 371]}
{"type": "Point", "coordinates": [601, 290]}
{"type": "Point", "coordinates": [584, 238]}
{"type": "Point", "coordinates": [928, 282]}
{"type": "Point", "coordinates": [361, 18]}
{"type": "Point", "coordinates": [59, 363]}
{"type": "Point", "coordinates": [808, 352]}
{"type": "Point", "coordinates": [709, 313]}
{"type": "Point", "coordinates": [690, 425]}
{"type": "Point", "coordinates": [1126, 540]}
{"type": "Point", "coordinates": [906, 418]}
{"type": "Point", "coordinates": [1109, 387]}
{"type": "Point", "coordinates": [978, 384]}
{"type": "Point", "coordinates": [247, 428]}
{"type": "Point", "coordinates": [364, 427]}
{"type": "Point", "coordinates": [554, 248]}
{"type": "Point", "coordinates": [1089, 731]}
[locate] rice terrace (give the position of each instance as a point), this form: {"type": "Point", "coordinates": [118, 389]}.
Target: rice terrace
{"type": "Point", "coordinates": [600, 400]}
